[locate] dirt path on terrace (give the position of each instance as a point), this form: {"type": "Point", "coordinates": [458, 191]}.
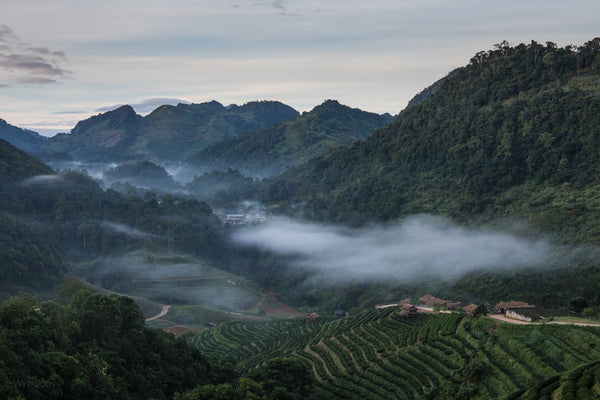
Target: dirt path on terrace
{"type": "Point", "coordinates": [162, 313]}
{"type": "Point", "coordinates": [504, 318]}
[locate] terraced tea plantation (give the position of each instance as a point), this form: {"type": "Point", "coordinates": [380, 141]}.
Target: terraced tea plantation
{"type": "Point", "coordinates": [378, 355]}
{"type": "Point", "coordinates": [177, 280]}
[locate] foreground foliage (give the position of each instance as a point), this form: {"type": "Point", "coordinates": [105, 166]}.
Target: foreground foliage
{"type": "Point", "coordinates": [93, 347]}
{"type": "Point", "coordinates": [89, 346]}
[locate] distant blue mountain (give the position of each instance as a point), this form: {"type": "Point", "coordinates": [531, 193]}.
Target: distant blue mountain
{"type": "Point", "coordinates": [26, 140]}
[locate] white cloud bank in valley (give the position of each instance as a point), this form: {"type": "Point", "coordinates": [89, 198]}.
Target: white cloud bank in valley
{"type": "Point", "coordinates": [417, 248]}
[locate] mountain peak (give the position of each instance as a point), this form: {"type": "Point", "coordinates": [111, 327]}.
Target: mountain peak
{"type": "Point", "coordinates": [121, 118]}
{"type": "Point", "coordinates": [124, 109]}
{"type": "Point", "coordinates": [331, 103]}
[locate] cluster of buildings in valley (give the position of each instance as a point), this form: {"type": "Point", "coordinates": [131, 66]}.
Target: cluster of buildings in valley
{"type": "Point", "coordinates": [518, 310]}
{"type": "Point", "coordinates": [251, 217]}
{"type": "Point", "coordinates": [512, 309]}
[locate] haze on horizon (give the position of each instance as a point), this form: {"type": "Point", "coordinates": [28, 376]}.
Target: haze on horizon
{"type": "Point", "coordinates": [64, 61]}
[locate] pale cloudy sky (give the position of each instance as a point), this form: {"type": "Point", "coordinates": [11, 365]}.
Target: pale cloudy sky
{"type": "Point", "coordinates": [64, 60]}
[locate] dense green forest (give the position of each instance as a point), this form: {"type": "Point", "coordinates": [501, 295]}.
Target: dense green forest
{"type": "Point", "coordinates": [514, 133]}
{"type": "Point", "coordinates": [145, 174]}
{"type": "Point", "coordinates": [87, 345]}
{"type": "Point", "coordinates": [51, 219]}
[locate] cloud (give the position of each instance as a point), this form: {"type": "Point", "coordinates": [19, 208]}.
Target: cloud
{"type": "Point", "coordinates": [147, 105]}
{"type": "Point", "coordinates": [31, 64]}
{"type": "Point", "coordinates": [279, 4]}
{"type": "Point", "coordinates": [34, 80]}
{"type": "Point", "coordinates": [68, 112]}
{"type": "Point", "coordinates": [44, 51]}
{"type": "Point", "coordinates": [27, 64]}
{"type": "Point", "coordinates": [42, 179]}
{"type": "Point", "coordinates": [418, 248]}
{"type": "Point", "coordinates": [6, 33]}
{"type": "Point", "coordinates": [108, 108]}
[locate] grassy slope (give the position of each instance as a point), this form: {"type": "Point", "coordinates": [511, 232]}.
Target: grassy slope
{"type": "Point", "coordinates": [199, 293]}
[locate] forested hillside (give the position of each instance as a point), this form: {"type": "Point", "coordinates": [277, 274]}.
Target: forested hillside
{"type": "Point", "coordinates": [89, 346]}
{"type": "Point", "coordinates": [273, 150]}
{"type": "Point", "coordinates": [515, 132]}
{"type": "Point", "coordinates": [16, 164]}
{"type": "Point", "coordinates": [143, 174]}
{"type": "Point", "coordinates": [48, 219]}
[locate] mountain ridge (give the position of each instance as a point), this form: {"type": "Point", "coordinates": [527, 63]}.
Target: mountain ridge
{"type": "Point", "coordinates": [168, 133]}
{"type": "Point", "coordinates": [24, 139]}
{"type": "Point", "coordinates": [287, 144]}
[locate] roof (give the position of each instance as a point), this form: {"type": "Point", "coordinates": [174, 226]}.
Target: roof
{"type": "Point", "coordinates": [313, 315]}
{"type": "Point", "coordinates": [430, 301]}
{"type": "Point", "coordinates": [503, 305]}
{"type": "Point", "coordinates": [470, 308]}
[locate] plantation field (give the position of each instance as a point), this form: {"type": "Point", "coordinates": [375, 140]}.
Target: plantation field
{"type": "Point", "coordinates": [199, 294]}
{"type": "Point", "coordinates": [201, 317]}
{"type": "Point", "coordinates": [378, 355]}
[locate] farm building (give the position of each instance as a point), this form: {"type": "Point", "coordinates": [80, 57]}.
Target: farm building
{"type": "Point", "coordinates": [518, 313]}
{"type": "Point", "coordinates": [536, 314]}
{"type": "Point", "coordinates": [431, 301]}
{"type": "Point", "coordinates": [469, 310]}
{"type": "Point", "coordinates": [313, 316]}
{"type": "Point", "coordinates": [407, 310]}
{"type": "Point", "coordinates": [503, 306]}
{"type": "Point", "coordinates": [235, 219]}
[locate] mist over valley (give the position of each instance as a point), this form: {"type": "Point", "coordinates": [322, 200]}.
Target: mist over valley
{"type": "Point", "coordinates": [413, 250]}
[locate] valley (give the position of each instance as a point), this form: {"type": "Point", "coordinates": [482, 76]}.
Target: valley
{"type": "Point", "coordinates": [249, 249]}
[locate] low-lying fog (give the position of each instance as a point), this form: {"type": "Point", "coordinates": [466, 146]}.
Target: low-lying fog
{"type": "Point", "coordinates": [93, 169]}
{"type": "Point", "coordinates": [180, 172]}
{"type": "Point", "coordinates": [416, 248]}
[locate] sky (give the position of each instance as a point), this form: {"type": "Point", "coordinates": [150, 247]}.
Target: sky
{"type": "Point", "coordinates": [63, 61]}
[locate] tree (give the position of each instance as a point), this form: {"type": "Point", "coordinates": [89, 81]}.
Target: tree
{"type": "Point", "coordinates": [588, 312]}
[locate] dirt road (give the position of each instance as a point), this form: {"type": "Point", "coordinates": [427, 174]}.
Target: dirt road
{"type": "Point", "coordinates": [162, 313]}
{"type": "Point", "coordinates": [504, 318]}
